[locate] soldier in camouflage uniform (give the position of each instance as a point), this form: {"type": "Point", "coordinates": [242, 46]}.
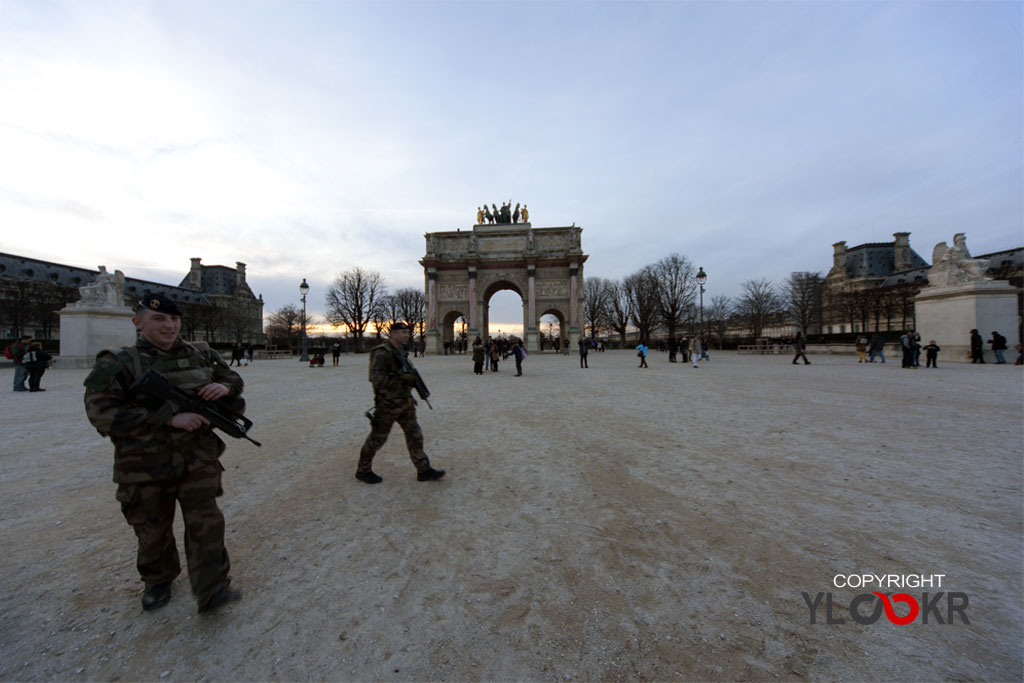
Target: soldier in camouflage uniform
{"type": "Point", "coordinates": [163, 457]}
{"type": "Point", "coordinates": [393, 402]}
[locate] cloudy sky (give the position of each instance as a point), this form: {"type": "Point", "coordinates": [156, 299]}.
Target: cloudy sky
{"type": "Point", "coordinates": [305, 138]}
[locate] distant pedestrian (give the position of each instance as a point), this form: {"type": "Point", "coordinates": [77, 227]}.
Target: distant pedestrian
{"type": "Point", "coordinates": [236, 355]}
{"type": "Point", "coordinates": [641, 351]}
{"type": "Point", "coordinates": [16, 351]}
{"type": "Point", "coordinates": [249, 352]}
{"type": "Point", "coordinates": [915, 346]}
{"type": "Point", "coordinates": [799, 349]}
{"type": "Point", "coordinates": [36, 361]}
{"type": "Point", "coordinates": [519, 353]}
{"type": "Point", "coordinates": [931, 354]}
{"type": "Point", "coordinates": [565, 347]}
{"type": "Point", "coordinates": [478, 358]}
{"type": "Point", "coordinates": [977, 351]}
{"type": "Point", "coordinates": [998, 343]}
{"type": "Point", "coordinates": [862, 347]}
{"type": "Point", "coordinates": [584, 350]}
{"type": "Point", "coordinates": [696, 351]}
{"type": "Point", "coordinates": [877, 348]}
{"type": "Point", "coordinates": [336, 353]}
{"type": "Point", "coordinates": [907, 346]}
{"type": "Point", "coordinates": [494, 355]}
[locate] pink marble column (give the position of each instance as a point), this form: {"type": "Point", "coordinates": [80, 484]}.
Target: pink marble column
{"type": "Point", "coordinates": [472, 300]}
{"type": "Point", "coordinates": [574, 304]}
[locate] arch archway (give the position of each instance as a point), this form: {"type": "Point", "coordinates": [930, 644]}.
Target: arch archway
{"type": "Point", "coordinates": [463, 270]}
{"type": "Point", "coordinates": [493, 289]}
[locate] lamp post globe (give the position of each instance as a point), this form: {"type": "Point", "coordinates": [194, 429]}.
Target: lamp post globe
{"type": "Point", "coordinates": [304, 290]}
{"type": "Point", "coordinates": [702, 277]}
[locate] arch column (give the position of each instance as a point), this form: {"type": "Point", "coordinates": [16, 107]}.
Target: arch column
{"type": "Point", "coordinates": [574, 306]}
{"type": "Point", "coordinates": [433, 334]}
{"type": "Point", "coordinates": [474, 329]}
{"type": "Point", "coordinates": [530, 329]}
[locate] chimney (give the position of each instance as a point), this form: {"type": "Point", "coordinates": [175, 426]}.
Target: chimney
{"type": "Point", "coordinates": [901, 251]}
{"type": "Point", "coordinates": [239, 275]}
{"type": "Point", "coordinates": [839, 256]}
{"type": "Point", "coordinates": [195, 276]}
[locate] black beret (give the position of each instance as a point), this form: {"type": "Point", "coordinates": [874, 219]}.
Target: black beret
{"type": "Point", "coordinates": [160, 304]}
{"type": "Point", "coordinates": [399, 326]}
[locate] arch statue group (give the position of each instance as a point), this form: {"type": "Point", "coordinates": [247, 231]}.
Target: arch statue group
{"type": "Point", "coordinates": [463, 270]}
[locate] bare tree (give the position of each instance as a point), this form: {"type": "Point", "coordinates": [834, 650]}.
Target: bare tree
{"type": "Point", "coordinates": [619, 309]}
{"type": "Point", "coordinates": [16, 305]}
{"type": "Point", "coordinates": [676, 288]}
{"type": "Point", "coordinates": [284, 326]}
{"type": "Point", "coordinates": [802, 292]}
{"type": "Point", "coordinates": [352, 298]}
{"type": "Point", "coordinates": [643, 290]}
{"type": "Point", "coordinates": [411, 307]}
{"type": "Point", "coordinates": [759, 306]}
{"type": "Point", "coordinates": [718, 314]}
{"type": "Point", "coordinates": [596, 293]}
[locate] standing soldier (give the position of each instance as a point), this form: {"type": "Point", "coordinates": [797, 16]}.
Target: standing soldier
{"type": "Point", "coordinates": [162, 456]}
{"type": "Point", "coordinates": [392, 379]}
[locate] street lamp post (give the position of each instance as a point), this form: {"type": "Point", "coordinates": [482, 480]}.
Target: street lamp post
{"type": "Point", "coordinates": [702, 277]}
{"type": "Point", "coordinates": [304, 288]}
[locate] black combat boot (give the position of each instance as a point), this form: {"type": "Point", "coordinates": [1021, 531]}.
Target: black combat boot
{"type": "Point", "coordinates": [429, 474]}
{"type": "Point", "coordinates": [369, 477]}
{"type": "Point", "coordinates": [222, 596]}
{"type": "Point", "coordinates": [156, 596]}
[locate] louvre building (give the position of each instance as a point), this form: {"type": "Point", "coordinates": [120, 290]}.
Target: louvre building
{"type": "Point", "coordinates": [217, 303]}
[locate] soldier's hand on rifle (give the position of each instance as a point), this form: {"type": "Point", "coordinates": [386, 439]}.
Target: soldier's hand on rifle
{"type": "Point", "coordinates": [409, 379]}
{"type": "Point", "coordinates": [213, 391]}
{"type": "Point", "coordinates": [189, 421]}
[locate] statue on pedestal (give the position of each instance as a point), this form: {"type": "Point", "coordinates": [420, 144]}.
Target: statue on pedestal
{"type": "Point", "coordinates": [479, 216]}
{"type": "Point", "coordinates": [525, 214]}
{"type": "Point", "coordinates": [515, 214]}
{"type": "Point", "coordinates": [954, 265]}
{"type": "Point", "coordinates": [107, 290]}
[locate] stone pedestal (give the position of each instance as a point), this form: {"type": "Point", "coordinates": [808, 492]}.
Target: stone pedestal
{"type": "Point", "coordinates": [532, 340]}
{"type": "Point", "coordinates": [948, 313]}
{"type": "Point", "coordinates": [87, 330]}
{"type": "Point", "coordinates": [435, 344]}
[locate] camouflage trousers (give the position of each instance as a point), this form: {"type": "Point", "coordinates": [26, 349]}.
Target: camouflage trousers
{"type": "Point", "coordinates": [149, 508]}
{"type": "Point", "coordinates": [385, 416]}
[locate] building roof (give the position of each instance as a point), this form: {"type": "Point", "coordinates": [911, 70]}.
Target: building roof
{"type": "Point", "coordinates": [24, 268]}
{"type": "Point", "coordinates": [876, 259]}
{"type": "Point", "coordinates": [220, 280]}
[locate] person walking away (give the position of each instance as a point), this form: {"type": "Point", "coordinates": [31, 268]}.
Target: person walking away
{"type": "Point", "coordinates": [36, 361]}
{"type": "Point", "coordinates": [584, 350]}
{"type": "Point", "coordinates": [998, 343]}
{"type": "Point", "coordinates": [799, 348]}
{"type": "Point", "coordinates": [877, 348]}
{"type": "Point", "coordinates": [16, 352]}
{"type": "Point", "coordinates": [641, 351]}
{"type": "Point", "coordinates": [565, 347]}
{"type": "Point", "coordinates": [478, 358]}
{"type": "Point", "coordinates": [915, 345]}
{"type": "Point", "coordinates": [931, 354]}
{"type": "Point", "coordinates": [495, 355]}
{"type": "Point", "coordinates": [519, 353]}
{"type": "Point", "coordinates": [163, 457]}
{"type": "Point", "coordinates": [673, 349]}
{"type": "Point", "coordinates": [907, 346]}
{"type": "Point", "coordinates": [977, 352]}
{"type": "Point", "coordinates": [696, 351]}
{"type": "Point", "coordinates": [392, 379]}
{"type": "Point", "coordinates": [862, 347]}
{"type": "Point", "coordinates": [236, 355]}
{"type": "Point", "coordinates": [248, 354]}
{"type": "Point", "coordinates": [336, 353]}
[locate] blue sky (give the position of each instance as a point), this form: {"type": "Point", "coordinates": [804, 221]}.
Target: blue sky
{"type": "Point", "coordinates": [304, 138]}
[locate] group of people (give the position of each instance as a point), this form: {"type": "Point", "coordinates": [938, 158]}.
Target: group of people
{"type": "Point", "coordinates": [691, 349]}
{"type": "Point", "coordinates": [30, 362]}
{"type": "Point", "coordinates": [240, 353]}
{"type": "Point", "coordinates": [487, 356]}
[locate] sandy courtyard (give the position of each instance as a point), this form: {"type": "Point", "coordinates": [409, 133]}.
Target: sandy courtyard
{"type": "Point", "coordinates": [601, 524]}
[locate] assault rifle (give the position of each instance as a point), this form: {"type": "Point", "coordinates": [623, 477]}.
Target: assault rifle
{"type": "Point", "coordinates": [418, 384]}
{"type": "Point", "coordinates": [156, 385]}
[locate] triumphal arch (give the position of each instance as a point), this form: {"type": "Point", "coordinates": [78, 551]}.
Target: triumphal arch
{"type": "Point", "coordinates": [463, 269]}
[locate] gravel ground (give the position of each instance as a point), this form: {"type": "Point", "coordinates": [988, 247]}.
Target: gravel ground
{"type": "Point", "coordinates": [602, 524]}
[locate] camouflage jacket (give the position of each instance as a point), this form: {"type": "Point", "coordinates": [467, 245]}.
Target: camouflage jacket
{"type": "Point", "coordinates": [387, 365]}
{"type": "Point", "coordinates": [146, 447]}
